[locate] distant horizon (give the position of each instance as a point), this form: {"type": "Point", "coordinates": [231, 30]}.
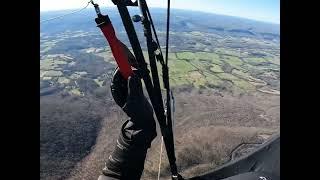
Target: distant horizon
{"type": "Point", "coordinates": [268, 22]}
{"type": "Point", "coordinates": [262, 10]}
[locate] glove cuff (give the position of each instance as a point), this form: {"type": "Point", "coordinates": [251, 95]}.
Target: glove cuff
{"type": "Point", "coordinates": [127, 160]}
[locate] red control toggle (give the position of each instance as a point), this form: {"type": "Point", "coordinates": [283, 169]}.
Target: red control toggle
{"type": "Point", "coordinates": [118, 51]}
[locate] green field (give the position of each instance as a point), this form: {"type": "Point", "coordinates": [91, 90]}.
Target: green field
{"type": "Point", "coordinates": [186, 55]}
{"type": "Point", "coordinates": [213, 80]}
{"type": "Point", "coordinates": [233, 61]}
{"type": "Point", "coordinates": [255, 61]}
{"type": "Point", "coordinates": [241, 74]}
{"type": "Point", "coordinates": [227, 52]}
{"type": "Point", "coordinates": [227, 76]}
{"type": "Point", "coordinates": [219, 69]}
{"type": "Point", "coordinates": [216, 68]}
{"type": "Point", "coordinates": [204, 69]}
{"type": "Point", "coordinates": [180, 67]}
{"type": "Point", "coordinates": [246, 86]}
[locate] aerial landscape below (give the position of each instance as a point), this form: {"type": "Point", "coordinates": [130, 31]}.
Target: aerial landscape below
{"type": "Point", "coordinates": [224, 72]}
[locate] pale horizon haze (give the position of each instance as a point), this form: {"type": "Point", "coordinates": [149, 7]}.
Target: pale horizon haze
{"type": "Point", "coordinates": [260, 10]}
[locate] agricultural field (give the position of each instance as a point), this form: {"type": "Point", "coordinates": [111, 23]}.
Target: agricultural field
{"type": "Point", "coordinates": [207, 70]}
{"type": "Point", "coordinates": [199, 69]}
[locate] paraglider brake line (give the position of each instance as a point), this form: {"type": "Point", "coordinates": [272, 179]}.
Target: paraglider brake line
{"type": "Point", "coordinates": [61, 16]}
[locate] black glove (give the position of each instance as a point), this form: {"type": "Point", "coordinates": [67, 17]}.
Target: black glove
{"type": "Point", "coordinates": [119, 88]}
{"type": "Point", "coordinates": [127, 160]}
{"type": "Point", "coordinates": [128, 94]}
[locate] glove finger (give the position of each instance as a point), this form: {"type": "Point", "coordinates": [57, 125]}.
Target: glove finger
{"type": "Point", "coordinates": [119, 88]}
{"type": "Point", "coordinates": [134, 87]}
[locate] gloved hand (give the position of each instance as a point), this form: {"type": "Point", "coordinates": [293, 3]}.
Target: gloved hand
{"type": "Point", "coordinates": [137, 133]}
{"type": "Point", "coordinates": [128, 94]}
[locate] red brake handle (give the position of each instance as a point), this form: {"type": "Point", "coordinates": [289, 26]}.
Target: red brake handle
{"type": "Point", "coordinates": [118, 50]}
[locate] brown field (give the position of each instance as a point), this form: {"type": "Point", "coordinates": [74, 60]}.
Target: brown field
{"type": "Point", "coordinates": [207, 128]}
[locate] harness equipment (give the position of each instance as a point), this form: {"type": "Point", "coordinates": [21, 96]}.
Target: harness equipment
{"type": "Point", "coordinates": [152, 84]}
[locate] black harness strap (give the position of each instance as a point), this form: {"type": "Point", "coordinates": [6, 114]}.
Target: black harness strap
{"type": "Point", "coordinates": [166, 128]}
{"type": "Point", "coordinates": [152, 85]}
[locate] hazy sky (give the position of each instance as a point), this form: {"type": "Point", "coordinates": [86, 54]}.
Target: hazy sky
{"type": "Point", "coordinates": [263, 10]}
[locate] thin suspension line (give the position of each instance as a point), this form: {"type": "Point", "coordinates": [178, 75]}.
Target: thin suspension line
{"type": "Point", "coordinates": [168, 26]}
{"type": "Point", "coordinates": [73, 12]}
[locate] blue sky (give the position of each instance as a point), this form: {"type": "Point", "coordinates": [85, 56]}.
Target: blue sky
{"type": "Point", "coordinates": [262, 10]}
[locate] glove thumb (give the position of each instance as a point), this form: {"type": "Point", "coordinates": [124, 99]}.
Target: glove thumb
{"type": "Point", "coordinates": [134, 88]}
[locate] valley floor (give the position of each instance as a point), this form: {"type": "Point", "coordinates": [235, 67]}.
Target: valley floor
{"type": "Point", "coordinates": [207, 128]}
